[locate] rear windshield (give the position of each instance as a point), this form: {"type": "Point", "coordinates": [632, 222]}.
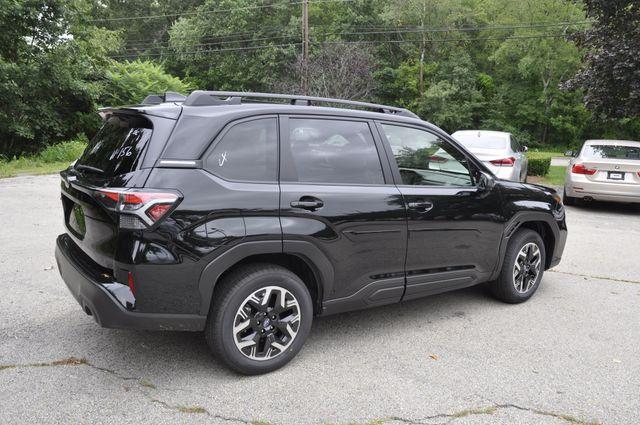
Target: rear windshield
{"type": "Point", "coordinates": [481, 141]}
{"type": "Point", "coordinates": [611, 152]}
{"type": "Point", "coordinates": [118, 148]}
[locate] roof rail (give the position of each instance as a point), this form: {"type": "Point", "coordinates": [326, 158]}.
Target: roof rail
{"type": "Point", "coordinates": [202, 98]}
{"type": "Point", "coordinates": [170, 96]}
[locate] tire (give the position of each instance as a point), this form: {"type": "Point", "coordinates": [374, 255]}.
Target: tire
{"type": "Point", "coordinates": [240, 298]}
{"type": "Point", "coordinates": [508, 287]}
{"type": "Point", "coordinates": [567, 200]}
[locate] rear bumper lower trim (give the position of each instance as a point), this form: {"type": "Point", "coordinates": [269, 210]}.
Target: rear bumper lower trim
{"type": "Point", "coordinates": [105, 309]}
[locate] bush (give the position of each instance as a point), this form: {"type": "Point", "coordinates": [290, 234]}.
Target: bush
{"type": "Point", "coordinates": [130, 82]}
{"type": "Point", "coordinates": [64, 151]}
{"type": "Point", "coordinates": [539, 166]}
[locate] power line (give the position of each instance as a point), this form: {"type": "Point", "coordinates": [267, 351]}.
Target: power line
{"type": "Point", "coordinates": [390, 31]}
{"type": "Point", "coordinates": [170, 15]}
{"type": "Point", "coordinates": [246, 48]}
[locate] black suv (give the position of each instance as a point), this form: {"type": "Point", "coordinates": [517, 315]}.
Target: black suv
{"type": "Point", "coordinates": [246, 214]}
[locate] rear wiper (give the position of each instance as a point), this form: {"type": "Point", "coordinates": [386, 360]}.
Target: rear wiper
{"type": "Point", "coordinates": [88, 168]}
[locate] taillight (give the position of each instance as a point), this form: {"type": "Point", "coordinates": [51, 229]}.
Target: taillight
{"type": "Point", "coordinates": [140, 208]}
{"type": "Point", "coordinates": [132, 283]}
{"type": "Point", "coordinates": [581, 169]}
{"type": "Point", "coordinates": [437, 159]}
{"type": "Point", "coordinates": [504, 162]}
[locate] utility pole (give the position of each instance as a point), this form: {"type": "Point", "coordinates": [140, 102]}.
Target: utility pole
{"type": "Point", "coordinates": [305, 47]}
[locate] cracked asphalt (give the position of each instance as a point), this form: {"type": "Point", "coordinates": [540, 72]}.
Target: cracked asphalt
{"type": "Point", "coordinates": [569, 355]}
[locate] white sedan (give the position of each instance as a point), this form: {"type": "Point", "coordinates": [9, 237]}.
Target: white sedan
{"type": "Point", "coordinates": [499, 151]}
{"type": "Point", "coordinates": [604, 170]}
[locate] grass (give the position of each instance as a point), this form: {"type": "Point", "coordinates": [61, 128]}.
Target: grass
{"type": "Point", "coordinates": [555, 177]}
{"type": "Point", "coordinates": [52, 159]}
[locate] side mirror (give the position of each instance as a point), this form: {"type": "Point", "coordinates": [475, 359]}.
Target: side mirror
{"type": "Point", "coordinates": [569, 153]}
{"type": "Point", "coordinates": [485, 182]}
{"type": "Point", "coordinates": [525, 149]}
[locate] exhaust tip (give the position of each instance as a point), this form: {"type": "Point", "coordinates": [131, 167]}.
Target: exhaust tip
{"type": "Point", "coordinates": [88, 311]}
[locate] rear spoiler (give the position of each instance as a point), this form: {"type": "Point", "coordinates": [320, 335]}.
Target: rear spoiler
{"type": "Point", "coordinates": [151, 105]}
{"type": "Point", "coordinates": [170, 111]}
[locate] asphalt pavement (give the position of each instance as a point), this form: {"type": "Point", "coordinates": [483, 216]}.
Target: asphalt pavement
{"type": "Point", "coordinates": [569, 355]}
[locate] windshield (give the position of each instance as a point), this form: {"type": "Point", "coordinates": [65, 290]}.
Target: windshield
{"type": "Point", "coordinates": [611, 152]}
{"type": "Point", "coordinates": [478, 140]}
{"type": "Point", "coordinates": [118, 147]}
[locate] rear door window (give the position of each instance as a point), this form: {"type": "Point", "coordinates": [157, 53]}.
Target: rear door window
{"type": "Point", "coordinates": [333, 151]}
{"type": "Point", "coordinates": [118, 147]}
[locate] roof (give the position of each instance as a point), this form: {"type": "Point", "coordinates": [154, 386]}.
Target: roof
{"type": "Point", "coordinates": [195, 128]}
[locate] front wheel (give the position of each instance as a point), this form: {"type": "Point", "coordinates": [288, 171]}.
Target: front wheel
{"type": "Point", "coordinates": [259, 319]}
{"type": "Point", "coordinates": [522, 268]}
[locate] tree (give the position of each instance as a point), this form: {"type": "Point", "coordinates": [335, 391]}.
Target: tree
{"type": "Point", "coordinates": [611, 73]}
{"type": "Point", "coordinates": [532, 63]}
{"type": "Point", "coordinates": [245, 48]}
{"type": "Point", "coordinates": [51, 62]}
{"type": "Point", "coordinates": [335, 70]}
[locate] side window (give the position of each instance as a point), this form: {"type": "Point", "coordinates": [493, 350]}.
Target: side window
{"type": "Point", "coordinates": [515, 146]}
{"type": "Point", "coordinates": [334, 151]}
{"type": "Point", "coordinates": [424, 159]}
{"type": "Point", "coordinates": [247, 152]}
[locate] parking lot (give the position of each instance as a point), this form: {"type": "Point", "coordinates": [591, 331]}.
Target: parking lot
{"type": "Point", "coordinates": [569, 355]}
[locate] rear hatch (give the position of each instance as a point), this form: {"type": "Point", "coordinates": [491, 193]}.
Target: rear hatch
{"type": "Point", "coordinates": [118, 158]}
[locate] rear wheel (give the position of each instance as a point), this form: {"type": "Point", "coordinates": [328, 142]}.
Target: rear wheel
{"type": "Point", "coordinates": [567, 200]}
{"type": "Point", "coordinates": [522, 268]}
{"type": "Point", "coordinates": [259, 319]}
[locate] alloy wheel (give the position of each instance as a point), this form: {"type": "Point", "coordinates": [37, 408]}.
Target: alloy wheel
{"type": "Point", "coordinates": [527, 267]}
{"type": "Point", "coordinates": [266, 323]}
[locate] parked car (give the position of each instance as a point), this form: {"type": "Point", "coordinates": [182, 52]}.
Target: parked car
{"type": "Point", "coordinates": [245, 220]}
{"type": "Point", "coordinates": [500, 152]}
{"type": "Point", "coordinates": [604, 170]}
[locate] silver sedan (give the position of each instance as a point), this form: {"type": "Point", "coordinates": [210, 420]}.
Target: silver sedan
{"type": "Point", "coordinates": [499, 151]}
{"type": "Point", "coordinates": [604, 170]}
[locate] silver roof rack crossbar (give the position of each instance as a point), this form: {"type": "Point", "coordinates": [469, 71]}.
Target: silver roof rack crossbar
{"type": "Point", "coordinates": [202, 98]}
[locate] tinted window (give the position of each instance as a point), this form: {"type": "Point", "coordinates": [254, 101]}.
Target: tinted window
{"type": "Point", "coordinates": [248, 151]}
{"type": "Point", "coordinates": [332, 151]}
{"type": "Point", "coordinates": [118, 147]}
{"type": "Point", "coordinates": [611, 152]}
{"type": "Point", "coordinates": [425, 159]}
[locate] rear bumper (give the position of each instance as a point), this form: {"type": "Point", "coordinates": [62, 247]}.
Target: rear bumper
{"type": "Point", "coordinates": [96, 300]}
{"type": "Point", "coordinates": [578, 186]}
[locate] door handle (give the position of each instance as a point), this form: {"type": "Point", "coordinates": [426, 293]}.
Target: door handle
{"type": "Point", "coordinates": [307, 203]}
{"type": "Point", "coordinates": [421, 206]}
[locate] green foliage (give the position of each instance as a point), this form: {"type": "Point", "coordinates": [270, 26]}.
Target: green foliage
{"type": "Point", "coordinates": [50, 65]}
{"type": "Point", "coordinates": [130, 82]}
{"type": "Point", "coordinates": [52, 159]}
{"type": "Point", "coordinates": [64, 151]}
{"type": "Point", "coordinates": [539, 166]}
{"type": "Point", "coordinates": [453, 100]}
{"type": "Point", "coordinates": [461, 64]}
{"type": "Point", "coordinates": [610, 74]}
